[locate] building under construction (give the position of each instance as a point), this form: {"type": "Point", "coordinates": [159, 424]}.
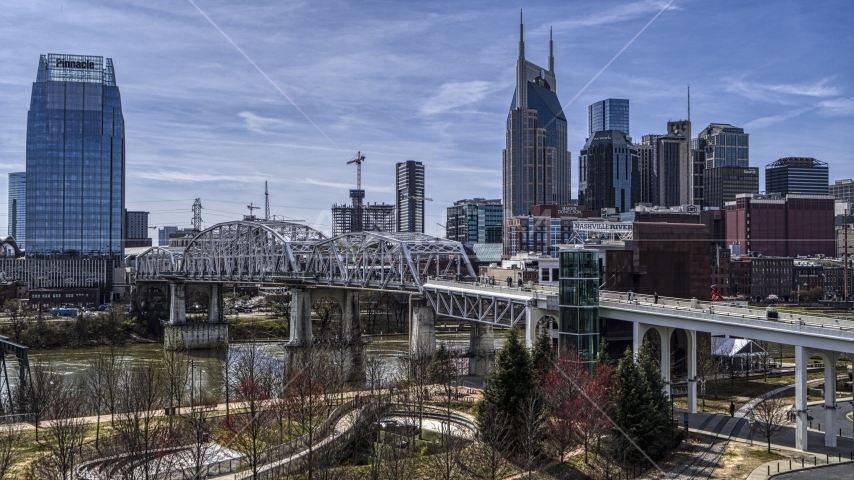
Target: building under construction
{"type": "Point", "coordinates": [378, 217]}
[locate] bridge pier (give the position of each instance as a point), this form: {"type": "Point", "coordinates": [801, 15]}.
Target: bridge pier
{"type": "Point", "coordinates": [482, 346]}
{"type": "Point", "coordinates": [300, 324]}
{"type": "Point", "coordinates": [691, 364]}
{"type": "Point", "coordinates": [802, 355]}
{"type": "Point", "coordinates": [422, 328]}
{"type": "Point", "coordinates": [532, 318]}
{"type": "Point", "coordinates": [180, 334]}
{"type": "Point", "coordinates": [829, 397]}
{"type": "Point", "coordinates": [638, 331]}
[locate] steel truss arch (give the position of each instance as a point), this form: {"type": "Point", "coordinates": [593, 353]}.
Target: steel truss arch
{"type": "Point", "coordinates": [155, 262]}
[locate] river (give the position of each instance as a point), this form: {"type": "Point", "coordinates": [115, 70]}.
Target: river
{"type": "Point", "coordinates": [72, 362]}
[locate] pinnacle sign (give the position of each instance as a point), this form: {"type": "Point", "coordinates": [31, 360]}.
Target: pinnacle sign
{"type": "Point", "coordinates": [61, 63]}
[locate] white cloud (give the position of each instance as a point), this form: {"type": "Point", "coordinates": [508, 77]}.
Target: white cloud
{"type": "Point", "coordinates": [259, 124]}
{"type": "Point", "coordinates": [781, 93]}
{"type": "Point", "coordinates": [619, 13]}
{"type": "Point", "coordinates": [763, 122]}
{"type": "Point", "coordinates": [838, 106]}
{"type": "Point", "coordinates": [342, 185]}
{"type": "Point", "coordinates": [455, 94]}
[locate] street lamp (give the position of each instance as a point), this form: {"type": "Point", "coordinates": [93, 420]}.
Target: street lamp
{"type": "Point", "coordinates": [192, 382]}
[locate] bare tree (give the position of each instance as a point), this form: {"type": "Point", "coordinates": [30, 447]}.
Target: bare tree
{"type": "Point", "coordinates": [254, 378]}
{"type": "Point", "coordinates": [418, 380]}
{"type": "Point", "coordinates": [492, 446]}
{"type": "Point", "coordinates": [770, 416]}
{"type": "Point", "coordinates": [708, 366]}
{"type": "Point", "coordinates": [41, 391]}
{"type": "Point", "coordinates": [99, 383]}
{"type": "Point", "coordinates": [195, 432]}
{"type": "Point", "coordinates": [141, 396]}
{"type": "Point", "coordinates": [20, 317]}
{"type": "Point", "coordinates": [305, 393]}
{"type": "Point", "coordinates": [449, 461]}
{"type": "Point", "coordinates": [65, 431]}
{"type": "Point", "coordinates": [175, 371]}
{"type": "Point", "coordinates": [11, 437]}
{"type": "Point", "coordinates": [532, 431]}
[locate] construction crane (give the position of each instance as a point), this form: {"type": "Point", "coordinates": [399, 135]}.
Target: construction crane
{"type": "Point", "coordinates": [357, 195]}
{"type": "Point", "coordinates": [266, 202]}
{"type": "Point", "coordinates": [251, 207]}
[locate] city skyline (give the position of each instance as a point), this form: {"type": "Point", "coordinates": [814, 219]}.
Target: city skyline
{"type": "Point", "coordinates": [198, 111]}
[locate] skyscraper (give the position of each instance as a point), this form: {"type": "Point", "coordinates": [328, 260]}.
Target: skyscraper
{"type": "Point", "coordinates": [136, 229]}
{"type": "Point", "coordinates": [806, 176]}
{"type": "Point", "coordinates": [724, 145]}
{"type": "Point", "coordinates": [75, 160]}
{"type": "Point", "coordinates": [724, 184]}
{"type": "Point", "coordinates": [608, 114]}
{"type": "Point", "coordinates": [18, 207]}
{"type": "Point", "coordinates": [648, 170]}
{"type": "Point", "coordinates": [163, 235]}
{"type": "Point", "coordinates": [410, 197]}
{"type": "Point", "coordinates": [475, 221]}
{"type": "Point", "coordinates": [536, 163]}
{"type": "Point", "coordinates": [608, 172]}
{"type": "Point", "coordinates": [674, 164]}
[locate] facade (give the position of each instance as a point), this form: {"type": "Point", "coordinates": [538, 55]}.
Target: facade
{"type": "Point", "coordinates": [647, 180]}
{"type": "Point", "coordinates": [609, 114]}
{"type": "Point", "coordinates": [377, 217]}
{"type": "Point", "coordinates": [75, 160]}
{"type": "Point", "coordinates": [698, 168]}
{"type": "Point", "coordinates": [723, 184]}
{"type": "Point", "coordinates": [163, 235]}
{"type": "Point", "coordinates": [842, 238]}
{"type": "Point", "coordinates": [674, 164]}
{"type": "Point", "coordinates": [671, 259]}
{"type": "Point", "coordinates": [537, 234]}
{"type": "Point", "coordinates": [536, 163]}
{"type": "Point", "coordinates": [410, 197]}
{"type": "Point", "coordinates": [578, 288]}
{"type": "Point", "coordinates": [136, 229]}
{"type": "Point", "coordinates": [806, 176]}
{"type": "Point", "coordinates": [724, 145]}
{"type": "Point", "coordinates": [799, 225]}
{"type": "Point", "coordinates": [58, 273]}
{"type": "Point", "coordinates": [18, 207]}
{"type": "Point", "coordinates": [475, 220]}
{"type": "Point", "coordinates": [608, 172]}
{"type": "Point", "coordinates": [770, 276]}
{"type": "Point", "coordinates": [45, 299]}
{"type": "Point", "coordinates": [842, 190]}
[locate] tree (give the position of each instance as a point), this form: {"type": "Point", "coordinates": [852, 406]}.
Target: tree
{"type": "Point", "coordinates": [708, 365]}
{"type": "Point", "coordinates": [20, 317]}
{"type": "Point", "coordinates": [511, 382]}
{"type": "Point", "coordinates": [493, 444]}
{"type": "Point", "coordinates": [441, 369]}
{"type": "Point", "coordinates": [641, 409]}
{"type": "Point", "coordinates": [11, 437]}
{"type": "Point", "coordinates": [40, 392]}
{"type": "Point", "coordinates": [769, 416]}
{"type": "Point", "coordinates": [195, 431]}
{"type": "Point", "coordinates": [559, 392]}
{"type": "Point", "coordinates": [542, 354]}
{"type": "Point", "coordinates": [305, 392]}
{"type": "Point", "coordinates": [531, 431]}
{"type": "Point", "coordinates": [418, 380]}
{"type": "Point", "coordinates": [176, 371]}
{"type": "Point", "coordinates": [65, 431]}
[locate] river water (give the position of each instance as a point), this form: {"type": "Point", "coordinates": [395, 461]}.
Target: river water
{"type": "Point", "coordinates": [72, 362]}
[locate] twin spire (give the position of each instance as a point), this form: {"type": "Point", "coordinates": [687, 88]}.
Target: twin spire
{"type": "Point", "coordinates": [522, 44]}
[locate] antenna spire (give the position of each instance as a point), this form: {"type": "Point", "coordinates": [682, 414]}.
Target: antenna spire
{"type": "Point", "coordinates": [266, 202]}
{"type": "Point", "coordinates": [689, 102]}
{"type": "Point", "coordinates": [551, 52]}
{"type": "Point", "coordinates": [197, 215]}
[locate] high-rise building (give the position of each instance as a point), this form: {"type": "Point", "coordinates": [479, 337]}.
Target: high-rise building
{"type": "Point", "coordinates": [724, 145]}
{"type": "Point", "coordinates": [608, 172]}
{"type": "Point", "coordinates": [475, 220]}
{"type": "Point", "coordinates": [674, 164]}
{"type": "Point", "coordinates": [163, 235]}
{"type": "Point", "coordinates": [842, 190]}
{"type": "Point", "coordinates": [609, 114]}
{"type": "Point", "coordinates": [136, 229]}
{"type": "Point", "coordinates": [698, 168]}
{"type": "Point", "coordinates": [806, 176]}
{"type": "Point", "coordinates": [410, 197]}
{"type": "Point", "coordinates": [648, 170]}
{"type": "Point", "coordinates": [799, 225]}
{"type": "Point", "coordinates": [536, 163]}
{"type": "Point", "coordinates": [75, 160]}
{"type": "Point", "coordinates": [723, 184]}
{"type": "Point", "coordinates": [18, 207]}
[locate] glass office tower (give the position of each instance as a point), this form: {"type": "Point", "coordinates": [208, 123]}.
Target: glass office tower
{"type": "Point", "coordinates": [18, 207]}
{"type": "Point", "coordinates": [609, 114]}
{"type": "Point", "coordinates": [75, 160]}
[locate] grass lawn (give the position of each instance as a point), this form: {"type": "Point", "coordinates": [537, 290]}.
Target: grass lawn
{"type": "Point", "coordinates": [739, 391]}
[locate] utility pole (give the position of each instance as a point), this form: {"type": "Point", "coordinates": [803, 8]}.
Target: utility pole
{"type": "Point", "coordinates": [358, 195]}
{"type": "Point", "coordinates": [197, 215]}
{"type": "Point", "coordinates": [266, 202]}
{"type": "Point", "coordinates": [252, 207]}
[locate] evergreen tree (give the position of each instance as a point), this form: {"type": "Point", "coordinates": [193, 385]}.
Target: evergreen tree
{"type": "Point", "coordinates": [509, 383]}
{"type": "Point", "coordinates": [641, 405]}
{"type": "Point", "coordinates": [603, 357]}
{"type": "Point", "coordinates": [440, 369]}
{"type": "Point", "coordinates": [542, 354]}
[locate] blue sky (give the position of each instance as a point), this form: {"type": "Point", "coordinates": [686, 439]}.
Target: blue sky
{"type": "Point", "coordinates": [429, 81]}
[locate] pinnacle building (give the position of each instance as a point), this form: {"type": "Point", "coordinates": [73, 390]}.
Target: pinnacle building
{"type": "Point", "coordinates": [536, 163]}
{"type": "Point", "coordinates": [75, 160]}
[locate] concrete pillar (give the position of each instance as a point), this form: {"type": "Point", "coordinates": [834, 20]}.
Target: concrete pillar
{"type": "Point", "coordinates": [177, 303]}
{"type": "Point", "coordinates": [664, 334]}
{"type": "Point", "coordinates": [802, 355]}
{"type": "Point", "coordinates": [830, 398]}
{"type": "Point", "coordinates": [638, 331]}
{"type": "Point", "coordinates": [300, 325]}
{"type": "Point", "coordinates": [482, 345]}
{"type": "Point", "coordinates": [532, 316]}
{"type": "Point", "coordinates": [422, 335]}
{"type": "Point", "coordinates": [215, 303]}
{"type": "Point", "coordinates": [350, 325]}
{"type": "Point", "coordinates": [691, 364]}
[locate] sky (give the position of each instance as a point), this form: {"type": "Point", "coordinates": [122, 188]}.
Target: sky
{"type": "Point", "coordinates": [219, 97]}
